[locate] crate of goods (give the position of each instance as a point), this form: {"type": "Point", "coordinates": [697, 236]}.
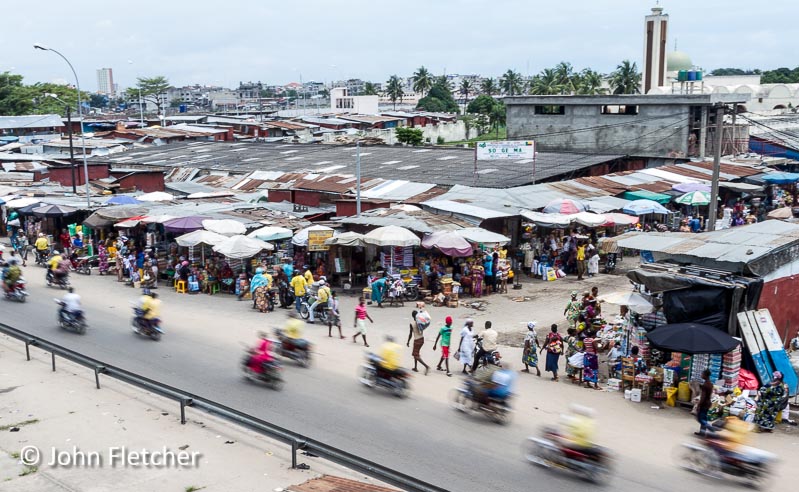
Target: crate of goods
{"type": "Point", "coordinates": [614, 384]}
{"type": "Point", "coordinates": [635, 395]}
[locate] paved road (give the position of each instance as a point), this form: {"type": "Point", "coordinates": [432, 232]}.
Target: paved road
{"type": "Point", "coordinates": [419, 436]}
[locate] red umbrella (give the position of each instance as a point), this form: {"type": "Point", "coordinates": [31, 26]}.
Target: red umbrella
{"type": "Point", "coordinates": [564, 206]}
{"type": "Point", "coordinates": [616, 219]}
{"type": "Point", "coordinates": [185, 224]}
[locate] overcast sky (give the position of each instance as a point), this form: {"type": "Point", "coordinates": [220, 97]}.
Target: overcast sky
{"type": "Point", "coordinates": [213, 42]}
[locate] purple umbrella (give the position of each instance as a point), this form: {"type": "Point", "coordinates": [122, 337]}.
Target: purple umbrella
{"type": "Point", "coordinates": [185, 224]}
{"type": "Point", "coordinates": [689, 187]}
{"type": "Point", "coordinates": [448, 242]}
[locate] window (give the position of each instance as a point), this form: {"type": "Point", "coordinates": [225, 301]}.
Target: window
{"type": "Point", "coordinates": [550, 110]}
{"type": "Point", "coordinates": [619, 109]}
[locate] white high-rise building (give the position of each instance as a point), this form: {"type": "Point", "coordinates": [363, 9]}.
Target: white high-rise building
{"type": "Point", "coordinates": [105, 82]}
{"type": "Point", "coordinates": [655, 31]}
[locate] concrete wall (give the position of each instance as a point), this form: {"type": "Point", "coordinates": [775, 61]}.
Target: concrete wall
{"type": "Point", "coordinates": [657, 130]}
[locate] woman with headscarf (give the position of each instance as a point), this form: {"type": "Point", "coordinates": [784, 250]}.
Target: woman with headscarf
{"type": "Point", "coordinates": [379, 289]}
{"type": "Point", "coordinates": [465, 352]}
{"type": "Point", "coordinates": [478, 273]}
{"type": "Point", "coordinates": [573, 309]}
{"type": "Point", "coordinates": [530, 352]}
{"type": "Point", "coordinates": [258, 289]}
{"type": "Point", "coordinates": [102, 259]}
{"type": "Point", "coordinates": [770, 401]}
{"type": "Point", "coordinates": [554, 347]}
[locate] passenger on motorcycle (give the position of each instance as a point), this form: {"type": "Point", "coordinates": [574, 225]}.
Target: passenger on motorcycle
{"type": "Point", "coordinates": [57, 267]}
{"type": "Point", "coordinates": [579, 429]}
{"type": "Point", "coordinates": [11, 274]}
{"type": "Point", "coordinates": [71, 304]}
{"type": "Point", "coordinates": [390, 354]}
{"type": "Point", "coordinates": [260, 357]}
{"type": "Point", "coordinates": [493, 382]}
{"type": "Point", "coordinates": [322, 297]}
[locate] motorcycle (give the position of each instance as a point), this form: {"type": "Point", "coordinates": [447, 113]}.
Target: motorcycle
{"type": "Point", "coordinates": [492, 357]}
{"type": "Point", "coordinates": [41, 258]}
{"type": "Point", "coordinates": [322, 313]}
{"type": "Point", "coordinates": [548, 450]}
{"type": "Point", "coordinates": [147, 328]}
{"type": "Point", "coordinates": [495, 409]}
{"type": "Point", "coordinates": [610, 263]}
{"type": "Point", "coordinates": [298, 350]}
{"type": "Point", "coordinates": [17, 292]}
{"type": "Point", "coordinates": [708, 457]}
{"type": "Point", "coordinates": [71, 321]}
{"type": "Point", "coordinates": [373, 375]}
{"type": "Point", "coordinates": [412, 291]}
{"type": "Point", "coordinates": [272, 374]}
{"type": "Point", "coordinates": [82, 264]}
{"type": "Point", "coordinates": [60, 281]}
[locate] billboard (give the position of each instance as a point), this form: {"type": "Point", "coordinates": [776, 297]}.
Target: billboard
{"type": "Point", "coordinates": [316, 240]}
{"type": "Point", "coordinates": [514, 149]}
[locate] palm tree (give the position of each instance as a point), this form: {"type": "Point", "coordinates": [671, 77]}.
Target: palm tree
{"type": "Point", "coordinates": [394, 90]}
{"type": "Point", "coordinates": [567, 79]}
{"type": "Point", "coordinates": [590, 83]}
{"type": "Point", "coordinates": [545, 83]}
{"type": "Point", "coordinates": [422, 81]}
{"type": "Point", "coordinates": [369, 89]}
{"type": "Point", "coordinates": [488, 87]}
{"type": "Point", "coordinates": [626, 79]}
{"type": "Point", "coordinates": [511, 83]}
{"type": "Point", "coordinates": [465, 88]}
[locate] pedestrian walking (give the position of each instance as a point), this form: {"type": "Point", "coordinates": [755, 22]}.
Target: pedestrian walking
{"type": "Point", "coordinates": [444, 334]}
{"type": "Point", "coordinates": [360, 320]}
{"type": "Point", "coordinates": [706, 392]}
{"type": "Point", "coordinates": [581, 261]}
{"type": "Point", "coordinates": [530, 352]}
{"type": "Point", "coordinates": [335, 316]}
{"type": "Point", "coordinates": [465, 353]}
{"type": "Point", "coordinates": [420, 320]}
{"type": "Point", "coordinates": [554, 347]}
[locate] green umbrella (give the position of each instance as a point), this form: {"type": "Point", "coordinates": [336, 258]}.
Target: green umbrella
{"type": "Point", "coordinates": [694, 198]}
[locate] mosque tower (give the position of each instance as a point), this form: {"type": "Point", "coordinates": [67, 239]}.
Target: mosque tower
{"type": "Point", "coordinates": [655, 31]}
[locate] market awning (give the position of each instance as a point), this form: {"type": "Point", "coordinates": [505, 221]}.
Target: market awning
{"type": "Point", "coordinates": [661, 198]}
{"type": "Point", "coordinates": [741, 187]}
{"type": "Point", "coordinates": [552, 221]}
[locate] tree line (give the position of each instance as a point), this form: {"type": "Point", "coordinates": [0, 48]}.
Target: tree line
{"type": "Point", "coordinates": [781, 75]}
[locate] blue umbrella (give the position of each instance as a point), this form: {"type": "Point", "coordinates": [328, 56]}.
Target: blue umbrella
{"type": "Point", "coordinates": [781, 178]}
{"type": "Point", "coordinates": [643, 207]}
{"type": "Point", "coordinates": [122, 200]}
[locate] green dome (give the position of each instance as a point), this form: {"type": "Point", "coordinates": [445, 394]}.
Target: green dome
{"type": "Point", "coordinates": [678, 60]}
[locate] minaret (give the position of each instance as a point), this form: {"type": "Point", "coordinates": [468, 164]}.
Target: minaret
{"type": "Point", "coordinates": [655, 30]}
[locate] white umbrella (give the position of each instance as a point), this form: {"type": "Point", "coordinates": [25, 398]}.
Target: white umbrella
{"type": "Point", "coordinates": [22, 202]}
{"type": "Point", "coordinates": [346, 239]}
{"type": "Point", "coordinates": [301, 238]}
{"type": "Point", "coordinates": [200, 236]}
{"type": "Point", "coordinates": [158, 219]}
{"type": "Point", "coordinates": [482, 236]}
{"type": "Point", "coordinates": [226, 227]}
{"type": "Point", "coordinates": [550, 220]}
{"type": "Point", "coordinates": [240, 247]}
{"type": "Point", "coordinates": [392, 236]}
{"type": "Point", "coordinates": [271, 233]}
{"type": "Point", "coordinates": [633, 300]}
{"type": "Point", "coordinates": [589, 219]}
{"type": "Point", "coordinates": [155, 196]}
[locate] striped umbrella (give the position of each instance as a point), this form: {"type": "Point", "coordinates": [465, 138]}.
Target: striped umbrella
{"type": "Point", "coordinates": [694, 198]}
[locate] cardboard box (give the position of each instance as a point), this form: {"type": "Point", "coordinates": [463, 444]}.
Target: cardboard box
{"type": "Point", "coordinates": [614, 384]}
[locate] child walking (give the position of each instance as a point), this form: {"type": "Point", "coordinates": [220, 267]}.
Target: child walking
{"type": "Point", "coordinates": [335, 316]}
{"type": "Point", "coordinates": [444, 334]}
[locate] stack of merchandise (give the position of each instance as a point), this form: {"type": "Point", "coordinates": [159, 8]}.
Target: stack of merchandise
{"type": "Point", "coordinates": [700, 363]}
{"type": "Point", "coordinates": [730, 367]}
{"type": "Point", "coordinates": [403, 257]}
{"type": "Point", "coordinates": [643, 345]}
{"type": "Point", "coordinates": [715, 367]}
{"type": "Point", "coordinates": [653, 320]}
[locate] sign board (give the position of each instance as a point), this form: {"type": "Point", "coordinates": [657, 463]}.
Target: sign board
{"type": "Point", "coordinates": [515, 149]}
{"type": "Point", "coordinates": [316, 240]}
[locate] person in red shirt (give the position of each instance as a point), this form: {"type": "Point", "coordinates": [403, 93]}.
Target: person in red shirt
{"type": "Point", "coordinates": [66, 241]}
{"type": "Point", "coordinates": [261, 355]}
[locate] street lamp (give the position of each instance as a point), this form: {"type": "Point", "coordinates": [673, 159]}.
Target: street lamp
{"type": "Point", "coordinates": [80, 116]}
{"type": "Point", "coordinates": [69, 129]}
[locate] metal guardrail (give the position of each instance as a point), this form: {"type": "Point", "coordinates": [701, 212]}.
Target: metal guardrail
{"type": "Point", "coordinates": [298, 442]}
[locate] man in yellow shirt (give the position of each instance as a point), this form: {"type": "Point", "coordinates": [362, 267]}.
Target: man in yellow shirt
{"type": "Point", "coordinates": [52, 266]}
{"type": "Point", "coordinates": [294, 326]}
{"type": "Point", "coordinates": [41, 245]}
{"type": "Point", "coordinates": [308, 275]}
{"type": "Point", "coordinates": [298, 284]}
{"type": "Point", "coordinates": [322, 298]}
{"type": "Point", "coordinates": [581, 263]}
{"type": "Point", "coordinates": [390, 354]}
{"type": "Point", "coordinates": [579, 428]}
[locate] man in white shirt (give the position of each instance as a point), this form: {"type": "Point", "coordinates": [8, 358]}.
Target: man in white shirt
{"type": "Point", "coordinates": [71, 302]}
{"type": "Point", "coordinates": [489, 340]}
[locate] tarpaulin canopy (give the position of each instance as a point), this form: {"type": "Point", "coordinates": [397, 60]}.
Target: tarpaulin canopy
{"type": "Point", "coordinates": [122, 200]}
{"type": "Point", "coordinates": [688, 187]}
{"type": "Point", "coordinates": [351, 239]}
{"type": "Point", "coordinates": [28, 209]}
{"type": "Point", "coordinates": [781, 213]}
{"type": "Point", "coordinates": [643, 207]}
{"type": "Point", "coordinates": [551, 221]}
{"type": "Point", "coordinates": [271, 233]}
{"type": "Point", "coordinates": [615, 219]}
{"type": "Point", "coordinates": [448, 242]}
{"type": "Point", "coordinates": [647, 195]}
{"type": "Point", "coordinates": [118, 213]}
{"type": "Point", "coordinates": [781, 178]}
{"type": "Point", "coordinates": [156, 196]}
{"type": "Point", "coordinates": [241, 247]}
{"type": "Point", "coordinates": [226, 227]}
{"type": "Point", "coordinates": [633, 300]}
{"type": "Point", "coordinates": [185, 224]}
{"type": "Point", "coordinates": [478, 235]}
{"type": "Point", "coordinates": [200, 236]}
{"type": "Point", "coordinates": [392, 236]}
{"type": "Point", "coordinates": [97, 221]}
{"type": "Point", "coordinates": [130, 223]}
{"type": "Point", "coordinates": [589, 219]}
{"type": "Point", "coordinates": [692, 338]}
{"type": "Point", "coordinates": [22, 202]}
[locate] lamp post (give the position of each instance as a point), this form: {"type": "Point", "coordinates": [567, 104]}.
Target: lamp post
{"type": "Point", "coordinates": [80, 117]}
{"type": "Point", "coordinates": [69, 130]}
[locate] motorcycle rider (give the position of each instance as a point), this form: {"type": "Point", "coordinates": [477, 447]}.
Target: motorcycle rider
{"type": "Point", "coordinates": [54, 265]}
{"type": "Point", "coordinates": [579, 429]}
{"type": "Point", "coordinates": [71, 304]}
{"type": "Point", "coordinates": [322, 297]}
{"type": "Point", "coordinates": [42, 245]}
{"type": "Point", "coordinates": [298, 285]}
{"type": "Point", "coordinates": [308, 276]}
{"type": "Point", "coordinates": [489, 337]}
{"type": "Point", "coordinates": [260, 357]}
{"type": "Point", "coordinates": [293, 331]}
{"type": "Point", "coordinates": [492, 382]}
{"type": "Point", "coordinates": [390, 354]}
{"type": "Point", "coordinates": [11, 274]}
{"type": "Point", "coordinates": [151, 309]}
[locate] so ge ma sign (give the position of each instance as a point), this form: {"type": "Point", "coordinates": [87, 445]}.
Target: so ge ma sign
{"type": "Point", "coordinates": [516, 149]}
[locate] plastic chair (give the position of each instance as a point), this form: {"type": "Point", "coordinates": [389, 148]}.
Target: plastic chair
{"type": "Point", "coordinates": [180, 286]}
{"type": "Point", "coordinates": [214, 288]}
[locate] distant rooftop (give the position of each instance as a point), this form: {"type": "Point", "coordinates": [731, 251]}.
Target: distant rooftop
{"type": "Point", "coordinates": [32, 121]}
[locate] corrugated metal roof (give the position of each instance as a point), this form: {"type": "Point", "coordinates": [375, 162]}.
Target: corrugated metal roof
{"type": "Point", "coordinates": [32, 121]}
{"type": "Point", "coordinates": [466, 209]}
{"type": "Point", "coordinates": [397, 190]}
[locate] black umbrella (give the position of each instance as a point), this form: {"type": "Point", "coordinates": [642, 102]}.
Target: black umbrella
{"type": "Point", "coordinates": [28, 210]}
{"type": "Point", "coordinates": [692, 338]}
{"type": "Point", "coordinates": [97, 222]}
{"type": "Point", "coordinates": [54, 211]}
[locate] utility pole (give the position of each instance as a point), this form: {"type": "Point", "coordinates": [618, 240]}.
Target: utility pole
{"type": "Point", "coordinates": [703, 134]}
{"type": "Point", "coordinates": [71, 150]}
{"type": "Point", "coordinates": [714, 189]}
{"type": "Point", "coordinates": [358, 178]}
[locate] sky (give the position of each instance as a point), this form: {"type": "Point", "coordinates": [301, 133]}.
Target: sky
{"type": "Point", "coordinates": [222, 43]}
